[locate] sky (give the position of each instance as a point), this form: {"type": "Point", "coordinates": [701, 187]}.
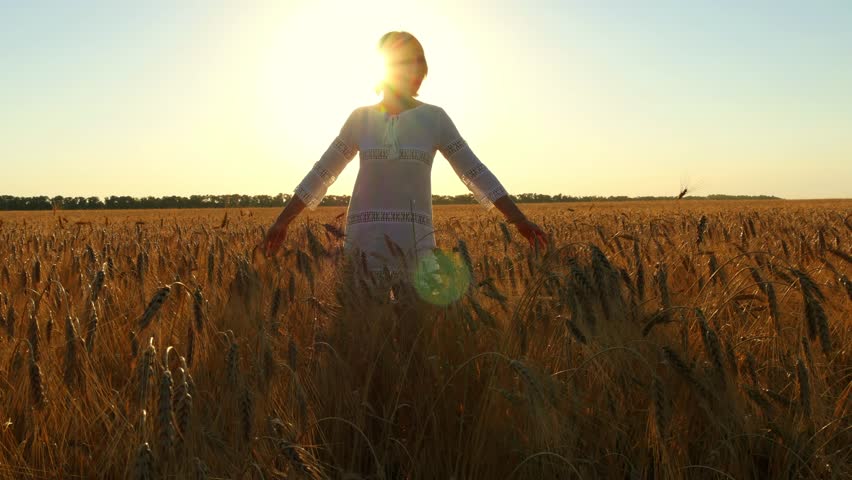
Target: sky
{"type": "Point", "coordinates": [580, 98]}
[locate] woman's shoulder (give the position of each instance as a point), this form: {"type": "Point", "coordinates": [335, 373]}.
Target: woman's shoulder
{"type": "Point", "coordinates": [377, 108]}
{"type": "Point", "coordinates": [431, 107]}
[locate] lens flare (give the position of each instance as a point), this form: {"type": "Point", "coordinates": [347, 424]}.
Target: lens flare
{"type": "Point", "coordinates": [441, 278]}
{"type": "Point", "coordinates": [378, 69]}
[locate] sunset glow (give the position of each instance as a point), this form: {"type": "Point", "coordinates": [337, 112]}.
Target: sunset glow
{"type": "Point", "coordinates": [608, 98]}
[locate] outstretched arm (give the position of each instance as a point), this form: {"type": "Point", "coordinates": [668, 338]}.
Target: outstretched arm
{"type": "Point", "coordinates": [509, 209]}
{"type": "Point", "coordinates": [342, 150]}
{"type": "Point", "coordinates": [313, 187]}
{"type": "Point", "coordinates": [532, 232]}
{"type": "Point", "coordinates": [278, 231]}
{"type": "Point", "coordinates": [486, 188]}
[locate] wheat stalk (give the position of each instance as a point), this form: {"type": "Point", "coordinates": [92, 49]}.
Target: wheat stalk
{"type": "Point", "coordinates": [804, 387]}
{"type": "Point", "coordinates": [37, 387]}
{"type": "Point", "coordinates": [143, 464]}
{"type": "Point", "coordinates": [92, 329]}
{"type": "Point", "coordinates": [153, 307]}
{"type": "Point", "coordinates": [72, 361]}
{"type": "Point", "coordinates": [165, 422]}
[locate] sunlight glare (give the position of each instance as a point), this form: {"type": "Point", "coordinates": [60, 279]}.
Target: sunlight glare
{"type": "Point", "coordinates": [309, 80]}
{"type": "Point", "coordinates": [377, 68]}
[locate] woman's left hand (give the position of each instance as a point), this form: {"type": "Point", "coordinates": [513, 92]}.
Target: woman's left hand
{"type": "Point", "coordinates": [532, 232]}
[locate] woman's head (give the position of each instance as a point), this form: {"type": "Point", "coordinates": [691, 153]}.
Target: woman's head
{"type": "Point", "coordinates": [405, 63]}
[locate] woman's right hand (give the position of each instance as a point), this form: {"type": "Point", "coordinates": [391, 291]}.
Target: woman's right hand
{"type": "Point", "coordinates": [275, 237]}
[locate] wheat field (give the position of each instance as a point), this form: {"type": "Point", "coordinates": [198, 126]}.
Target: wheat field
{"type": "Point", "coordinates": [682, 339]}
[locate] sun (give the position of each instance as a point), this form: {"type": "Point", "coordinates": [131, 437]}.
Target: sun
{"type": "Point", "coordinates": [309, 79]}
{"type": "Point", "coordinates": [309, 83]}
{"type": "Point", "coordinates": [376, 69]}
{"type": "Point", "coordinates": [306, 71]}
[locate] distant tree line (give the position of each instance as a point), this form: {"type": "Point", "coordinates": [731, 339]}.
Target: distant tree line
{"type": "Point", "coordinates": [8, 202]}
{"type": "Point", "coordinates": [124, 202]}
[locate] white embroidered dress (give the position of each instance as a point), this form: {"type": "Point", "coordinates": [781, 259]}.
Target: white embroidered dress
{"type": "Point", "coordinates": [393, 192]}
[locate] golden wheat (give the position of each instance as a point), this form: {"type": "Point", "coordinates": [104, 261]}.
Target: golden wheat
{"type": "Point", "coordinates": [648, 340]}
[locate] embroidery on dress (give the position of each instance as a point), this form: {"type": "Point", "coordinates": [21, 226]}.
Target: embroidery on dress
{"type": "Point", "coordinates": [343, 149]}
{"type": "Point", "coordinates": [404, 154]}
{"type": "Point", "coordinates": [389, 216]}
{"type": "Point", "coordinates": [306, 196]}
{"type": "Point", "coordinates": [496, 193]}
{"type": "Point", "coordinates": [474, 172]}
{"type": "Point", "coordinates": [451, 148]}
{"type": "Point", "coordinates": [326, 176]}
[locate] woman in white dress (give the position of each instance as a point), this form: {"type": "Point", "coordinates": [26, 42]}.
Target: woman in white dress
{"type": "Point", "coordinates": [397, 140]}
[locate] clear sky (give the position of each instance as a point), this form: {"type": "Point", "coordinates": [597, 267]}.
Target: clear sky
{"type": "Point", "coordinates": [581, 98]}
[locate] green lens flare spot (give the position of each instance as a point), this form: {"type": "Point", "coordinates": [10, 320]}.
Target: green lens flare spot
{"type": "Point", "coordinates": [441, 278]}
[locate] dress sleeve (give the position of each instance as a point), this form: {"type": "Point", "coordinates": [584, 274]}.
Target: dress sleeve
{"type": "Point", "coordinates": [325, 171]}
{"type": "Point", "coordinates": [486, 188]}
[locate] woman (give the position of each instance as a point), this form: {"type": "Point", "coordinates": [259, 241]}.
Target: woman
{"type": "Point", "coordinates": [397, 140]}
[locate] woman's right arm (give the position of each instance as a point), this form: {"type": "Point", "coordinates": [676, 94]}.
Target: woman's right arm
{"type": "Point", "coordinates": [313, 187]}
{"type": "Point", "coordinates": [278, 231]}
{"type": "Point", "coordinates": [291, 210]}
{"type": "Point", "coordinates": [342, 150]}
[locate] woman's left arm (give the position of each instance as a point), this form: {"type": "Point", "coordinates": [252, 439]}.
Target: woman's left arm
{"type": "Point", "coordinates": [481, 182]}
{"type": "Point", "coordinates": [532, 232]}
{"type": "Point", "coordinates": [486, 188]}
